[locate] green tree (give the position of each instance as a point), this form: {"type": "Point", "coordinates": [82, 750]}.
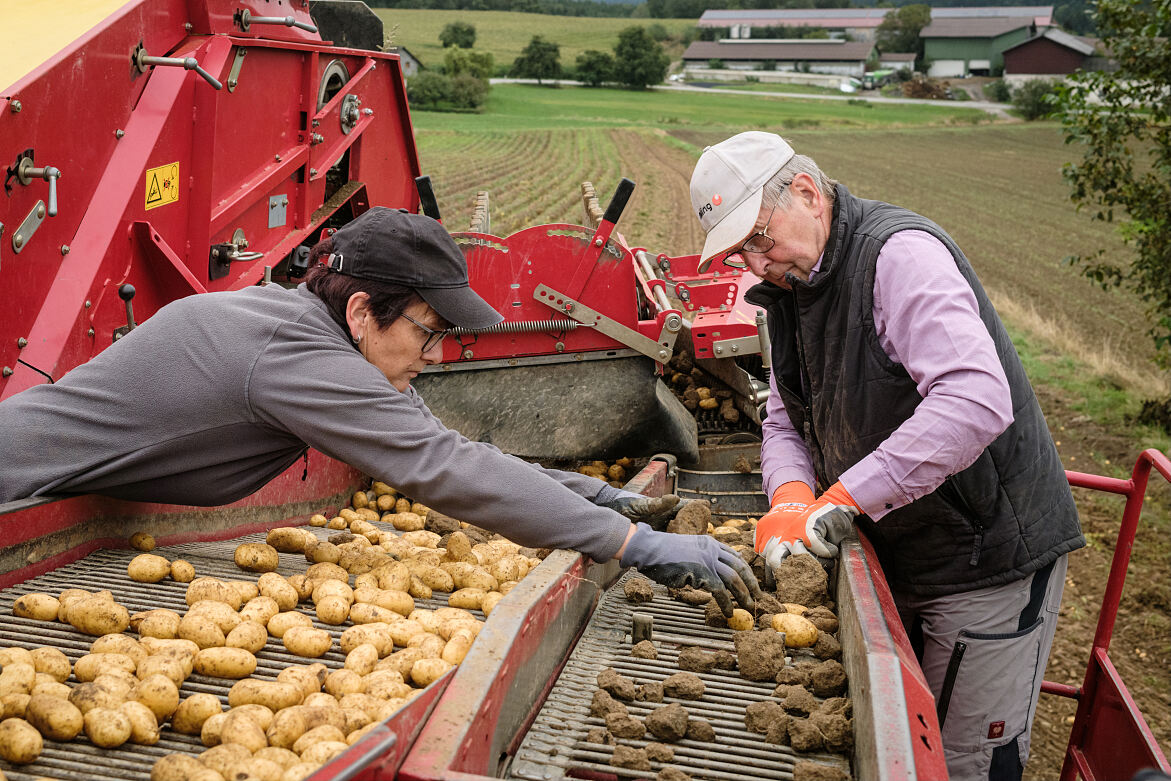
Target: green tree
{"type": "Point", "coordinates": [900, 28]}
{"type": "Point", "coordinates": [458, 34]}
{"type": "Point", "coordinates": [1120, 121]}
{"type": "Point", "coordinates": [1035, 98]}
{"type": "Point", "coordinates": [539, 60]}
{"type": "Point", "coordinates": [474, 63]}
{"type": "Point", "coordinates": [594, 68]}
{"type": "Point", "coordinates": [639, 60]}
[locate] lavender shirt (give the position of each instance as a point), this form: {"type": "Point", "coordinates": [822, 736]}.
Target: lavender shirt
{"type": "Point", "coordinates": [927, 320]}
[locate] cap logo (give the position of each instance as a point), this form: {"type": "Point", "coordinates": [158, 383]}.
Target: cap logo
{"type": "Point", "coordinates": [707, 207]}
{"type": "Point", "coordinates": [717, 200]}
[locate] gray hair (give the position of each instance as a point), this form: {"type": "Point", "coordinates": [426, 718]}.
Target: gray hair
{"type": "Point", "coordinates": [776, 189]}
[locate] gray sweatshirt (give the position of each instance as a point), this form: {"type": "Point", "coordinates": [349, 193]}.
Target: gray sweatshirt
{"type": "Point", "coordinates": [218, 393]}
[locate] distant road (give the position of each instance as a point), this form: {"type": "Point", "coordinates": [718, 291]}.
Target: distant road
{"type": "Point", "coordinates": [999, 109]}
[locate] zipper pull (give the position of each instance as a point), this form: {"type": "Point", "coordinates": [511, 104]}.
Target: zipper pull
{"type": "Point", "coordinates": [977, 543]}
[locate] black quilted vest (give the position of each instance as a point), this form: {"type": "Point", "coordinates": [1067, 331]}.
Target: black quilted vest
{"type": "Point", "coordinates": [1007, 515]}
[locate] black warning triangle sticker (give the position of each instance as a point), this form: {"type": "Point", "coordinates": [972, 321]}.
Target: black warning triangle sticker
{"type": "Point", "coordinates": [153, 193]}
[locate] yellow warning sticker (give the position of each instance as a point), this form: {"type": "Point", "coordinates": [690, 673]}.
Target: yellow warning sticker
{"type": "Point", "coordinates": [162, 185]}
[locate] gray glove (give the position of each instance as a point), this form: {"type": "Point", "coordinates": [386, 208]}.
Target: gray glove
{"type": "Point", "coordinates": [678, 560]}
{"type": "Point", "coordinates": [656, 511]}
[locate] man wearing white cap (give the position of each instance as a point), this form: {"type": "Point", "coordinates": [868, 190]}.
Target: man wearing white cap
{"type": "Point", "coordinates": [897, 392]}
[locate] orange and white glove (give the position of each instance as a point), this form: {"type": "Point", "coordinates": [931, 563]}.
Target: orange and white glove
{"type": "Point", "coordinates": [798, 524]}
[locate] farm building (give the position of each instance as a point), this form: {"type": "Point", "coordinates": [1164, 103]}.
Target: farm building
{"type": "Point", "coordinates": [897, 60]}
{"type": "Point", "coordinates": [837, 57]}
{"type": "Point", "coordinates": [1050, 53]}
{"type": "Point", "coordinates": [410, 63]}
{"type": "Point", "coordinates": [857, 24]}
{"type": "Point", "coordinates": [956, 48]}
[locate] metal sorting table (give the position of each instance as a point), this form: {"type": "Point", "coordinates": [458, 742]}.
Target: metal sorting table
{"type": "Point", "coordinates": [106, 569]}
{"type": "Point", "coordinates": [555, 745]}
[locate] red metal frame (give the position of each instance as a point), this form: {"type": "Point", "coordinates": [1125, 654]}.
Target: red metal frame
{"type": "Point", "coordinates": [1110, 738]}
{"type": "Point", "coordinates": [259, 137]}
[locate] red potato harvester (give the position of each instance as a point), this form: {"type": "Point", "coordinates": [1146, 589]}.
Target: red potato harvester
{"type": "Point", "coordinates": [220, 141]}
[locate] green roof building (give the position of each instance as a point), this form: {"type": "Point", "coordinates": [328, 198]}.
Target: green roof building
{"type": "Point", "coordinates": [957, 48]}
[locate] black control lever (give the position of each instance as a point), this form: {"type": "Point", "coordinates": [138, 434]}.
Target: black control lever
{"type": "Point", "coordinates": [618, 201]}
{"type": "Point", "coordinates": [427, 197]}
{"type": "Point", "coordinates": [126, 293]}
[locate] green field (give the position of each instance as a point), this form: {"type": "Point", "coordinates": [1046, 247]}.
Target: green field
{"type": "Point", "coordinates": [504, 34]}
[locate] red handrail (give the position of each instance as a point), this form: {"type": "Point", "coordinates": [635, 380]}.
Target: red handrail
{"type": "Point", "coordinates": [1110, 738]}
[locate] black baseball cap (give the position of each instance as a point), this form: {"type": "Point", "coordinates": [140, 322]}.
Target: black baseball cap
{"type": "Point", "coordinates": [396, 246]}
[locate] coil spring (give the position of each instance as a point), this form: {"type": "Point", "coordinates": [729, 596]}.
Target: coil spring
{"type": "Point", "coordinates": [522, 326]}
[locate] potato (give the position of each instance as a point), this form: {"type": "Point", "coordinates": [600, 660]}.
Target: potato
{"type": "Point", "coordinates": [291, 723]}
{"type": "Point", "coordinates": [317, 735]}
{"type": "Point", "coordinates": [16, 655]}
{"type": "Point", "coordinates": [118, 682]}
{"type": "Point", "coordinates": [148, 568]}
{"type": "Point", "coordinates": [281, 756]}
{"type": "Point", "coordinates": [246, 589]}
{"type": "Point", "coordinates": [223, 757]}
{"type": "Point", "coordinates": [470, 598]}
{"type": "Point", "coordinates": [182, 571]}
{"type": "Point", "coordinates": [193, 711]}
{"type": "Point", "coordinates": [279, 590]}
{"type": "Point", "coordinates": [362, 613]}
{"type": "Point", "coordinates": [159, 693]}
{"type": "Point", "coordinates": [307, 679]}
{"type": "Point", "coordinates": [457, 647]}
{"type": "Point", "coordinates": [288, 539]}
{"type": "Point", "coordinates": [54, 717]}
{"type": "Point", "coordinates": [144, 727]}
{"type": "Point", "coordinates": [403, 630]}
{"type": "Point", "coordinates": [176, 667]}
{"type": "Point", "coordinates": [511, 567]}
{"type": "Point", "coordinates": [281, 623]}
{"type": "Point", "coordinates": [274, 695]}
{"type": "Point", "coordinates": [226, 662]}
{"type": "Point", "coordinates": [422, 539]}
{"type": "Point", "coordinates": [14, 705]}
{"type": "Point", "coordinates": [799, 631]}
{"type": "Point", "coordinates": [318, 520]}
{"type": "Point", "coordinates": [362, 659]}
{"type": "Point", "coordinates": [302, 586]}
{"type": "Point", "coordinates": [333, 609]}
{"type": "Point", "coordinates": [445, 614]}
{"type": "Point", "coordinates": [342, 682]}
{"type": "Point", "coordinates": [322, 752]}
{"type": "Point", "coordinates": [448, 628]}
{"type": "Point", "coordinates": [400, 661]}
{"type": "Point", "coordinates": [41, 607]}
{"type": "Point", "coordinates": [156, 646]}
{"type": "Point", "coordinates": [181, 767]}
{"type": "Point", "coordinates": [255, 769]}
{"type": "Point", "coordinates": [119, 644]}
{"type": "Point", "coordinates": [426, 619]}
{"type": "Point", "coordinates": [393, 576]}
{"type": "Point", "coordinates": [385, 684]}
{"type": "Point", "coordinates": [18, 678]}
{"type": "Point", "coordinates": [212, 729]}
{"type": "Point", "coordinates": [97, 615]}
{"type": "Point", "coordinates": [321, 699]}
{"type": "Point", "coordinates": [218, 613]}
{"type": "Point", "coordinates": [201, 630]}
{"type": "Point", "coordinates": [431, 645]}
{"type": "Point", "coordinates": [142, 541]}
{"type": "Point", "coordinates": [215, 590]}
{"type": "Point", "coordinates": [793, 607]}
{"type": "Point", "coordinates": [491, 599]}
{"type": "Point", "coordinates": [257, 557]}
{"type": "Point", "coordinates": [307, 641]}
{"type": "Point", "coordinates": [407, 522]}
{"type": "Point", "coordinates": [432, 577]}
{"type": "Point", "coordinates": [241, 728]}
{"type": "Point", "coordinates": [741, 620]}
{"type": "Point", "coordinates": [87, 696]}
{"type": "Point", "coordinates": [472, 576]}
{"type": "Point", "coordinates": [159, 623]}
{"type": "Point", "coordinates": [51, 688]}
{"type": "Point", "coordinates": [426, 671]}
{"type": "Point", "coordinates": [376, 634]}
{"type": "Point", "coordinates": [107, 727]}
{"type": "Point", "coordinates": [20, 743]}
{"type": "Point", "coordinates": [91, 666]}
{"type": "Point", "coordinates": [249, 635]}
{"type": "Point", "coordinates": [260, 610]}
{"type": "Point", "coordinates": [338, 522]}
{"type": "Point", "coordinates": [322, 552]}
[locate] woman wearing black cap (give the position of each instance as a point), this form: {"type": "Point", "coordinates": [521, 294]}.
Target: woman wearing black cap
{"type": "Point", "coordinates": [217, 394]}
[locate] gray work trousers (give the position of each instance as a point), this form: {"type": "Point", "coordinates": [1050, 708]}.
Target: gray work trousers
{"type": "Point", "coordinates": [984, 654]}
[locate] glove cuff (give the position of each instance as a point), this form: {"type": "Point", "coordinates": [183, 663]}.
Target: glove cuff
{"type": "Point", "coordinates": [792, 492]}
{"type": "Point", "coordinates": [837, 494]}
{"type": "Point", "coordinates": [636, 546]}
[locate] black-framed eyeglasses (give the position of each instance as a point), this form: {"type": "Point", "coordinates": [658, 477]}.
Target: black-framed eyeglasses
{"type": "Point", "coordinates": [433, 337]}
{"type": "Point", "coordinates": [758, 243]}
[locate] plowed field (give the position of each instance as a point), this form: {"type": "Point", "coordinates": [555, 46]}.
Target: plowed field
{"type": "Point", "coordinates": [998, 191]}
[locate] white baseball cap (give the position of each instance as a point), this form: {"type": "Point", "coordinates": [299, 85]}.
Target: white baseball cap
{"type": "Point", "coordinates": [727, 187]}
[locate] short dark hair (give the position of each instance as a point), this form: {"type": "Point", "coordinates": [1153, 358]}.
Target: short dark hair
{"type": "Point", "coordinates": [387, 301]}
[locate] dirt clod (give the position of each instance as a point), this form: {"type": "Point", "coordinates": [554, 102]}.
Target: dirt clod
{"type": "Point", "coordinates": [823, 618]}
{"type": "Point", "coordinates": [742, 465]}
{"type": "Point", "coordinates": [840, 705]}
{"type": "Point", "coordinates": [660, 752]}
{"type": "Point", "coordinates": [604, 704]}
{"type": "Point", "coordinates": [692, 519]}
{"type": "Point", "coordinates": [683, 686]}
{"type": "Point", "coordinates": [802, 579]}
{"type": "Point", "coordinates": [760, 655]}
{"type": "Point", "coordinates": [778, 731]}
{"type": "Point", "coordinates": [622, 725]}
{"type": "Point", "coordinates": [690, 596]}
{"type": "Point", "coordinates": [827, 647]}
{"type": "Point", "coordinates": [672, 774]}
{"type": "Point", "coordinates": [700, 660]}
{"type": "Point", "coordinates": [701, 729]}
{"type": "Point", "coordinates": [633, 758]}
{"type": "Point", "coordinates": [652, 691]}
{"type": "Point", "coordinates": [644, 649]}
{"type": "Point", "coordinates": [616, 684]}
{"type": "Point", "coordinates": [828, 679]}
{"type": "Point", "coordinates": [600, 735]}
{"type": "Point", "coordinates": [795, 676]}
{"type": "Point", "coordinates": [441, 524]}
{"type": "Point", "coordinates": [805, 736]}
{"type": "Point", "coordinates": [639, 590]}
{"type": "Point", "coordinates": [668, 722]}
{"type": "Point", "coordinates": [799, 701]}
{"type": "Point", "coordinates": [815, 771]}
{"type": "Point", "coordinates": [759, 716]}
{"type": "Point", "coordinates": [836, 730]}
{"type": "Point", "coordinates": [713, 616]}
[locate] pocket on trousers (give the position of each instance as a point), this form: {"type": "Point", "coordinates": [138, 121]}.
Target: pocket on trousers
{"type": "Point", "coordinates": [988, 688]}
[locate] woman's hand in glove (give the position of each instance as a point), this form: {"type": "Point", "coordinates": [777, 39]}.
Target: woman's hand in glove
{"type": "Point", "coordinates": [678, 560]}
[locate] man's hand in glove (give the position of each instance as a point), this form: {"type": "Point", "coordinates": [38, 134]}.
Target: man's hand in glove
{"type": "Point", "coordinates": [678, 560]}
{"type": "Point", "coordinates": [798, 524]}
{"type": "Point", "coordinates": [656, 511]}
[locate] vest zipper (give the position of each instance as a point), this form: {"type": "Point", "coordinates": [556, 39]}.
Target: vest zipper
{"type": "Point", "coordinates": [977, 527]}
{"type": "Point", "coordinates": [810, 435]}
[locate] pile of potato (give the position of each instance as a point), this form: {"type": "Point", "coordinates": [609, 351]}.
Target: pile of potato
{"type": "Point", "coordinates": [698, 390]}
{"type": "Point", "coordinates": [616, 473]}
{"type": "Point", "coordinates": [281, 730]}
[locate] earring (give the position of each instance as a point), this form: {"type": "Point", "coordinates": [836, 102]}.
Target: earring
{"type": "Point", "coordinates": [359, 339]}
